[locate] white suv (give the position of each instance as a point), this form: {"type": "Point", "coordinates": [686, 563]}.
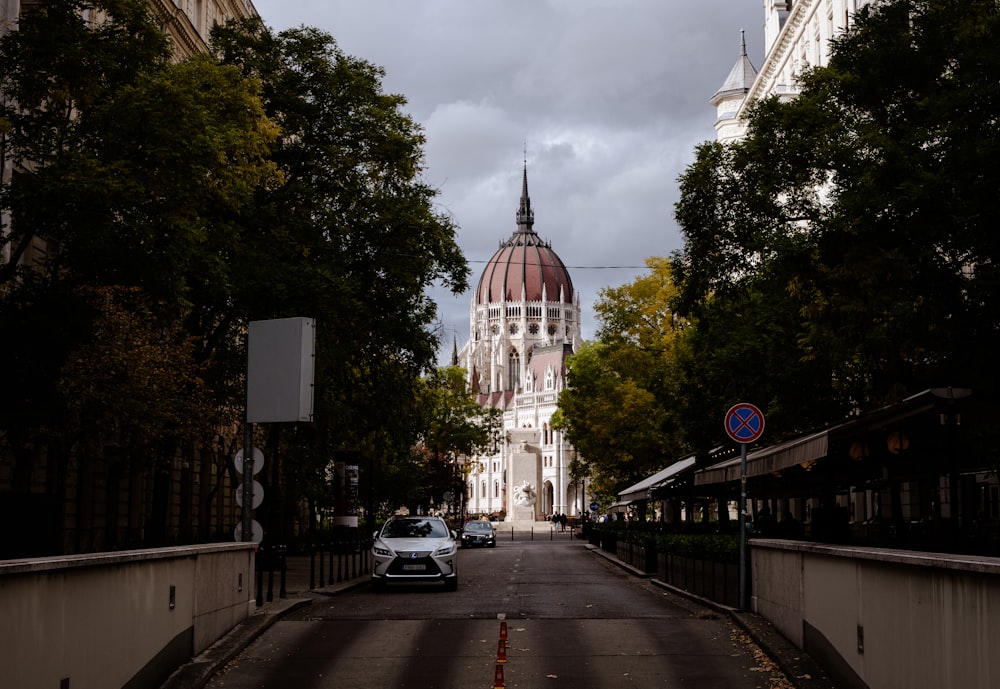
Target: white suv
{"type": "Point", "coordinates": [415, 549]}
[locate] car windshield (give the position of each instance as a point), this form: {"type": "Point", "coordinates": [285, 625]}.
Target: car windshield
{"type": "Point", "coordinates": [414, 528]}
{"type": "Point", "coordinates": [478, 526]}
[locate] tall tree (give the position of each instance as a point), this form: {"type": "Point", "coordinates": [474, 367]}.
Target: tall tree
{"type": "Point", "coordinates": [59, 65]}
{"type": "Point", "coordinates": [453, 426]}
{"type": "Point", "coordinates": [617, 409]}
{"type": "Point", "coordinates": [130, 173]}
{"type": "Point", "coordinates": [350, 236]}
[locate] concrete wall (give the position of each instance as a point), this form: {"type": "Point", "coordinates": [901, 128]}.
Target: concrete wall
{"type": "Point", "coordinates": [884, 618]}
{"type": "Point", "coordinates": [123, 619]}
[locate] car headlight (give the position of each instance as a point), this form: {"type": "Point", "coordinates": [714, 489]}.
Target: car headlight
{"type": "Point", "coordinates": [445, 550]}
{"type": "Point", "coordinates": [381, 550]}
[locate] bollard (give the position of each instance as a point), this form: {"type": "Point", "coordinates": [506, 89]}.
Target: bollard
{"type": "Point", "coordinates": [312, 567]}
{"type": "Point", "coordinates": [260, 577]}
{"type": "Point", "coordinates": [283, 564]}
{"type": "Point", "coordinates": [341, 564]}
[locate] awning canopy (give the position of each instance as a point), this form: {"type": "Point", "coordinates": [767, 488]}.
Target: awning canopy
{"type": "Point", "coordinates": [769, 459]}
{"type": "Point", "coordinates": [641, 490]}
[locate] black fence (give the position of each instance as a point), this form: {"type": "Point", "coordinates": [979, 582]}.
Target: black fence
{"type": "Point", "coordinates": [336, 561]}
{"type": "Point", "coordinates": [706, 578]}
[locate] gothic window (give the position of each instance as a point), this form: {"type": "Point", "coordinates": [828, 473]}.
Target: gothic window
{"type": "Point", "coordinates": [552, 328]}
{"type": "Point", "coordinates": [513, 329]}
{"type": "Point", "coordinates": [482, 490]}
{"type": "Point", "coordinates": [496, 329]}
{"type": "Point", "coordinates": [533, 328]}
{"type": "Point", "coordinates": [496, 489]}
{"type": "Point", "coordinates": [513, 370]}
{"type": "Point", "coordinates": [550, 378]}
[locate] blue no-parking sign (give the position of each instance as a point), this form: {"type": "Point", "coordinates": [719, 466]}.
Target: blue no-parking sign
{"type": "Point", "coordinates": [744, 423]}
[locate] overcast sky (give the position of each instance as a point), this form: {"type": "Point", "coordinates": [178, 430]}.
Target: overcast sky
{"type": "Point", "coordinates": [607, 98]}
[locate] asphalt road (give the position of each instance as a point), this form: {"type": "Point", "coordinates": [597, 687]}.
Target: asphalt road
{"type": "Point", "coordinates": [572, 620]}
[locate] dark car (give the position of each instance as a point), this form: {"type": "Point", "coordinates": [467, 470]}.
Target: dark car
{"type": "Point", "coordinates": [479, 532]}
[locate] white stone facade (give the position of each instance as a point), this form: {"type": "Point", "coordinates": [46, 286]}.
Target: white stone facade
{"type": "Point", "coordinates": [797, 36]}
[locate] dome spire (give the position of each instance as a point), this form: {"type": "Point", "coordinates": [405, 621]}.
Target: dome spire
{"type": "Point", "coordinates": [525, 216]}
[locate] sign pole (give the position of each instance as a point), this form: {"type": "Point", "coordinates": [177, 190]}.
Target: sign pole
{"type": "Point", "coordinates": [247, 481]}
{"type": "Point", "coordinates": [247, 487]}
{"type": "Point", "coordinates": [743, 526]}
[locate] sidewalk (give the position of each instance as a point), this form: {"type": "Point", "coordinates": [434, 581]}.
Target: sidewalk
{"type": "Point", "coordinates": [800, 669]}
{"type": "Point", "coordinates": [197, 672]}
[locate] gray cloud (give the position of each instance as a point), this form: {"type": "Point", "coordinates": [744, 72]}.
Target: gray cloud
{"type": "Point", "coordinates": [607, 98]}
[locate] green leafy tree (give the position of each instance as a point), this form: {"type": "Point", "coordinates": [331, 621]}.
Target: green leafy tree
{"type": "Point", "coordinates": [58, 66]}
{"type": "Point", "coordinates": [454, 426]}
{"type": "Point", "coordinates": [617, 409]}
{"type": "Point", "coordinates": [350, 237]}
{"type": "Point", "coordinates": [130, 172]}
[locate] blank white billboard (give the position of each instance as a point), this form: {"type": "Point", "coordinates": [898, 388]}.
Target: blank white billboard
{"type": "Point", "coordinates": [280, 368]}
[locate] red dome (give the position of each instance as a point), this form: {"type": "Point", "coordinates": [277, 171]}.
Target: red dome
{"type": "Point", "coordinates": [525, 261]}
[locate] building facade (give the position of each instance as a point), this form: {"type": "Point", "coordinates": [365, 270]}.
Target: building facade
{"type": "Point", "coordinates": [524, 321]}
{"type": "Point", "coordinates": [797, 36]}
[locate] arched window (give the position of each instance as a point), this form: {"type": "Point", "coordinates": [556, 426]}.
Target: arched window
{"type": "Point", "coordinates": [550, 378]}
{"type": "Point", "coordinates": [496, 489]}
{"type": "Point", "coordinates": [513, 370]}
{"type": "Point", "coordinates": [482, 490]}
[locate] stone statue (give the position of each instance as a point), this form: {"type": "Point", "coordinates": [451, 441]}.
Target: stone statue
{"type": "Point", "coordinates": [524, 495]}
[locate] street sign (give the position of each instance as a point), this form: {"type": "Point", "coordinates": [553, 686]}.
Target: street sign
{"type": "Point", "coordinates": [256, 496]}
{"type": "Point", "coordinates": [594, 506]}
{"type": "Point", "coordinates": [258, 461]}
{"type": "Point", "coordinates": [744, 423]}
{"type": "Point", "coordinates": [256, 532]}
